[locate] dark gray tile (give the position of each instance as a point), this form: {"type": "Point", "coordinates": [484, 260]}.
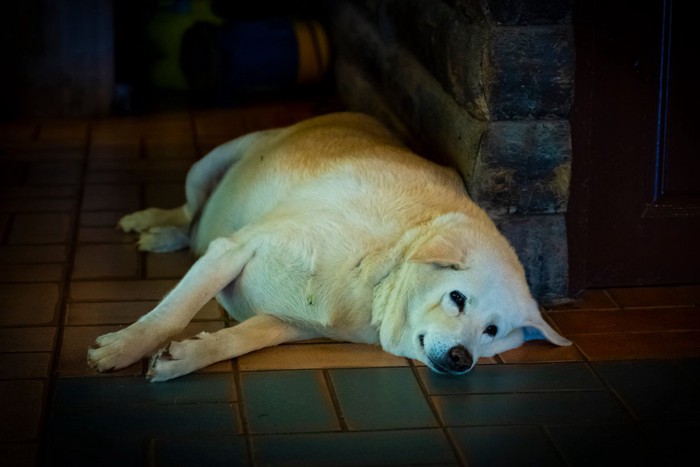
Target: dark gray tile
{"type": "Point", "coordinates": [146, 420]}
{"type": "Point", "coordinates": [672, 443]}
{"type": "Point", "coordinates": [691, 367]}
{"type": "Point", "coordinates": [102, 392]}
{"type": "Point", "coordinates": [381, 398]}
{"type": "Point", "coordinates": [513, 378]}
{"type": "Point", "coordinates": [585, 445]}
{"type": "Point", "coordinates": [93, 448]}
{"type": "Point", "coordinates": [530, 408]}
{"type": "Point", "coordinates": [653, 390]}
{"type": "Point", "coordinates": [21, 404]}
{"type": "Point", "coordinates": [210, 451]}
{"type": "Point", "coordinates": [288, 401]}
{"type": "Point", "coordinates": [494, 446]}
{"type": "Point", "coordinates": [408, 447]}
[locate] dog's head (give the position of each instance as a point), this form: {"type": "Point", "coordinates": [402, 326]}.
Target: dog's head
{"type": "Point", "coordinates": [461, 294]}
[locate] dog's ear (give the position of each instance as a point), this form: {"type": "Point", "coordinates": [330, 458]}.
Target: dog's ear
{"type": "Point", "coordinates": [534, 327]}
{"type": "Point", "coordinates": [446, 249]}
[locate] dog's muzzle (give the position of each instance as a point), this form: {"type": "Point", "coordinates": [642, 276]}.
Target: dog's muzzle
{"type": "Point", "coordinates": [456, 361]}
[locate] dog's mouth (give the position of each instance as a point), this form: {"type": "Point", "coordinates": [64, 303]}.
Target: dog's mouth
{"type": "Point", "coordinates": [436, 366]}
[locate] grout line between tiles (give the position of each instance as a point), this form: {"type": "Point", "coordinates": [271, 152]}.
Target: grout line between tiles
{"type": "Point", "coordinates": [335, 400]}
{"type": "Point", "coordinates": [453, 445]}
{"type": "Point", "coordinates": [63, 302]}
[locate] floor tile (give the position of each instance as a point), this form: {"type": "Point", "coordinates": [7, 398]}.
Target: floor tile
{"type": "Point", "coordinates": [31, 272]}
{"type": "Point", "coordinates": [514, 378]}
{"type": "Point", "coordinates": [692, 292]}
{"type": "Point", "coordinates": [26, 205]}
{"type": "Point", "coordinates": [21, 404]}
{"type": "Point", "coordinates": [594, 299]}
{"type": "Point", "coordinates": [391, 448]}
{"type": "Point", "coordinates": [534, 408]}
{"type": "Point", "coordinates": [648, 296]}
{"type": "Point", "coordinates": [26, 304]}
{"type": "Point", "coordinates": [287, 402]}
{"type": "Point", "coordinates": [120, 290]}
{"type": "Point", "coordinates": [27, 339]}
{"type": "Point", "coordinates": [541, 351]}
{"type": "Point", "coordinates": [164, 195]}
{"type": "Point", "coordinates": [672, 443]}
{"type": "Point", "coordinates": [381, 399]}
{"type": "Point", "coordinates": [33, 254]}
{"type": "Point", "coordinates": [146, 421]}
{"type": "Point", "coordinates": [124, 391]}
{"type": "Point", "coordinates": [201, 451]}
{"type": "Point", "coordinates": [168, 265]}
{"type": "Point", "coordinates": [19, 455]}
{"type": "Point", "coordinates": [586, 445]}
{"type": "Point", "coordinates": [101, 218]}
{"type": "Point", "coordinates": [653, 390]}
{"type": "Point", "coordinates": [63, 129]}
{"type": "Point", "coordinates": [156, 148]}
{"type": "Point", "coordinates": [25, 365]}
{"type": "Point", "coordinates": [105, 235]}
{"type": "Point", "coordinates": [494, 446]}
{"type": "Point", "coordinates": [112, 197]}
{"type": "Point", "coordinates": [129, 149]}
{"type": "Point", "coordinates": [125, 312]}
{"type": "Point", "coordinates": [629, 320]}
{"type": "Point", "coordinates": [316, 356]}
{"type": "Point", "coordinates": [621, 346]}
{"type": "Point", "coordinates": [54, 172]}
{"type": "Point", "coordinates": [105, 261]}
{"type": "Point", "coordinates": [40, 228]}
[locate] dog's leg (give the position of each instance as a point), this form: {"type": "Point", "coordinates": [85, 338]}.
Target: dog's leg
{"type": "Point", "coordinates": [260, 331]}
{"type": "Point", "coordinates": [221, 264]}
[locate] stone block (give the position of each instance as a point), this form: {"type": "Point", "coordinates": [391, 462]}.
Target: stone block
{"type": "Point", "coordinates": [540, 242]}
{"type": "Point", "coordinates": [528, 72]}
{"type": "Point", "coordinates": [525, 12]}
{"type": "Point", "coordinates": [523, 167]}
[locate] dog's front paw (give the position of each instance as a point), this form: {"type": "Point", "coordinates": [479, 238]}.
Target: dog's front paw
{"type": "Point", "coordinates": [120, 349]}
{"type": "Point", "coordinates": [139, 221]}
{"type": "Point", "coordinates": [178, 358]}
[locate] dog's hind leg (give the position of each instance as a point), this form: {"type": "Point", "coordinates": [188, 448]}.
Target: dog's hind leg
{"type": "Point", "coordinates": [221, 264]}
{"type": "Point", "coordinates": [260, 331]}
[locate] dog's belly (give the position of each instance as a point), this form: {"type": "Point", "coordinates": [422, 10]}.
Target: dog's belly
{"type": "Point", "coordinates": [287, 284]}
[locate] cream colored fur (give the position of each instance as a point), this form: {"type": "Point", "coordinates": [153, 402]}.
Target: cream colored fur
{"type": "Point", "coordinates": [329, 228]}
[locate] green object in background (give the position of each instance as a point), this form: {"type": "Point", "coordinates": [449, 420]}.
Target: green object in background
{"type": "Point", "coordinates": [165, 32]}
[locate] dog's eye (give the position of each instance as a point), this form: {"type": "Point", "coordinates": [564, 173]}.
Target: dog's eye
{"type": "Point", "coordinates": [491, 330]}
{"type": "Point", "coordinates": [458, 299]}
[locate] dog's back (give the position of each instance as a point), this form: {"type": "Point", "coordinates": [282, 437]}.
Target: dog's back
{"type": "Point", "coordinates": [316, 166]}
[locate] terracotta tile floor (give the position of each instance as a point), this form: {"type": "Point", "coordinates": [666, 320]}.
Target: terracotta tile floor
{"type": "Point", "coordinates": [626, 393]}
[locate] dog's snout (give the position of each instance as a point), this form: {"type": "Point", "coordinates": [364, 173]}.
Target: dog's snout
{"type": "Point", "coordinates": [460, 358]}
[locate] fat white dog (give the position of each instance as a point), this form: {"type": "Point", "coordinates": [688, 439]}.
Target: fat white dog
{"type": "Point", "coordinates": [329, 228]}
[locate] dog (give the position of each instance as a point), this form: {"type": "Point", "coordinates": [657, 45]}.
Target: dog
{"type": "Point", "coordinates": [329, 228]}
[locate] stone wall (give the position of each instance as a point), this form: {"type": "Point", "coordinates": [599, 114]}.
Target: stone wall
{"type": "Point", "coordinates": [484, 86]}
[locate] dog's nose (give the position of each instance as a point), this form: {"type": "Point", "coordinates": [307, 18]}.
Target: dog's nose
{"type": "Point", "coordinates": [460, 358]}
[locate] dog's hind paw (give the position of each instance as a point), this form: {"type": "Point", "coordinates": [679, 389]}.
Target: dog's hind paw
{"type": "Point", "coordinates": [163, 239]}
